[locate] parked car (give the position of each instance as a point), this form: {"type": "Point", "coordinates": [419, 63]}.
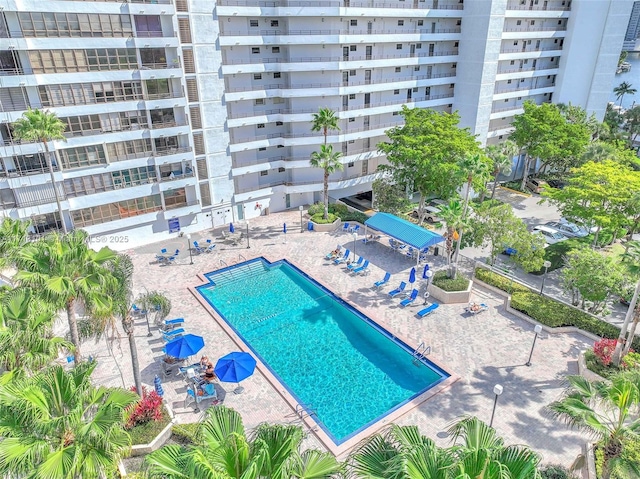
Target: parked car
{"type": "Point", "coordinates": [550, 235]}
{"type": "Point", "coordinates": [568, 229]}
{"type": "Point", "coordinates": [536, 185]}
{"type": "Point", "coordinates": [430, 214]}
{"type": "Point", "coordinates": [560, 184]}
{"type": "Point", "coordinates": [587, 229]}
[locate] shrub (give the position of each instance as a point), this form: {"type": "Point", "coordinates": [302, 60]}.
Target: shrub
{"type": "Point", "coordinates": [555, 253]}
{"type": "Point", "coordinates": [442, 281]}
{"type": "Point", "coordinates": [632, 360]}
{"type": "Point", "coordinates": [338, 209]}
{"type": "Point", "coordinates": [594, 365]}
{"type": "Point", "coordinates": [499, 281]}
{"type": "Point", "coordinates": [315, 209]}
{"type": "Point", "coordinates": [149, 408]}
{"type": "Point", "coordinates": [146, 432]}
{"type": "Point", "coordinates": [319, 218]}
{"type": "Point", "coordinates": [554, 471]}
{"type": "Point", "coordinates": [604, 349]}
{"type": "Point", "coordinates": [188, 433]}
{"type": "Point", "coordinates": [354, 216]}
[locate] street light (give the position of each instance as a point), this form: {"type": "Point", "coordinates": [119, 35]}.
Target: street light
{"type": "Point", "coordinates": [497, 390]}
{"type": "Point", "coordinates": [546, 265]}
{"type": "Point", "coordinates": [248, 245]}
{"type": "Point", "coordinates": [538, 330]}
{"type": "Point", "coordinates": [190, 253]}
{"type": "Point", "coordinates": [355, 238]}
{"type": "Point", "coordinates": [428, 274]}
{"type": "Point", "coordinates": [301, 226]}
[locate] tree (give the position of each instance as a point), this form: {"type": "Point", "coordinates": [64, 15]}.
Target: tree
{"type": "Point", "coordinates": [56, 424]}
{"type": "Point", "coordinates": [155, 303]}
{"type": "Point", "coordinates": [597, 194]}
{"type": "Point", "coordinates": [606, 410]}
{"type": "Point", "coordinates": [224, 451]}
{"type": "Point", "coordinates": [65, 272]}
{"type": "Point", "coordinates": [623, 89]}
{"type": "Point", "coordinates": [632, 123]}
{"type": "Point", "coordinates": [501, 156]}
{"type": "Point", "coordinates": [591, 277]}
{"type": "Point", "coordinates": [329, 161]}
{"type": "Point", "coordinates": [14, 234]}
{"type": "Point", "coordinates": [43, 126]}
{"type": "Point", "coordinates": [325, 120]}
{"type": "Point", "coordinates": [454, 219]}
{"type": "Point", "coordinates": [27, 343]}
{"type": "Point", "coordinates": [543, 132]}
{"type": "Point", "coordinates": [424, 153]}
{"type": "Point", "coordinates": [389, 197]}
{"type": "Point", "coordinates": [631, 259]}
{"type": "Point", "coordinates": [598, 151]}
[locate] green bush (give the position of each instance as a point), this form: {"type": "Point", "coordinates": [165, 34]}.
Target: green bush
{"type": "Point", "coordinates": [630, 452]}
{"type": "Point", "coordinates": [338, 209]}
{"type": "Point", "coordinates": [441, 280]}
{"type": "Point", "coordinates": [549, 311]}
{"type": "Point", "coordinates": [188, 433]}
{"type": "Point", "coordinates": [354, 216]}
{"type": "Point", "coordinates": [554, 471]}
{"type": "Point", "coordinates": [499, 281]}
{"type": "Point", "coordinates": [555, 253]}
{"type": "Point", "coordinates": [596, 366]}
{"type": "Point", "coordinates": [315, 209]}
{"type": "Point", "coordinates": [319, 218]}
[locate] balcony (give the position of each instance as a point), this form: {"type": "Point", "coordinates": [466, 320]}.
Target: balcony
{"type": "Point", "coordinates": [523, 87]}
{"type": "Point", "coordinates": [172, 151]}
{"type": "Point", "coordinates": [176, 206]}
{"type": "Point", "coordinates": [544, 7]}
{"type": "Point", "coordinates": [534, 28]}
{"type": "Point", "coordinates": [259, 59]}
{"type": "Point", "coordinates": [168, 124]}
{"type": "Point", "coordinates": [531, 49]}
{"type": "Point", "coordinates": [176, 175]}
{"type": "Point", "coordinates": [341, 31]}
{"type": "Point", "coordinates": [336, 3]}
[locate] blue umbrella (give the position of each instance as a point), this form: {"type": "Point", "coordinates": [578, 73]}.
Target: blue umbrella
{"type": "Point", "coordinates": [412, 276]}
{"type": "Point", "coordinates": [235, 367]}
{"type": "Point", "coordinates": [158, 385]}
{"type": "Point", "coordinates": [184, 346]}
{"type": "Point", "coordinates": [424, 271]}
{"type": "Point", "coordinates": [231, 228]}
{"type": "Point", "coordinates": [284, 228]}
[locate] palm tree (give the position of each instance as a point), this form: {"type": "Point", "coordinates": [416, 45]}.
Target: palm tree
{"type": "Point", "coordinates": [324, 121]}
{"type": "Point", "coordinates": [452, 214]}
{"type": "Point", "coordinates": [14, 235]}
{"type": "Point", "coordinates": [43, 126]}
{"type": "Point", "coordinates": [598, 151]}
{"type": "Point", "coordinates": [329, 161]}
{"type": "Point", "coordinates": [624, 89]}
{"type": "Point", "coordinates": [607, 411]}
{"type": "Point", "coordinates": [224, 451]}
{"type": "Point", "coordinates": [26, 340]}
{"type": "Point", "coordinates": [56, 424]}
{"type": "Point", "coordinates": [474, 167]}
{"type": "Point", "coordinates": [156, 303]}
{"type": "Point", "coordinates": [483, 455]}
{"type": "Point", "coordinates": [502, 157]}
{"type": "Point", "coordinates": [66, 272]}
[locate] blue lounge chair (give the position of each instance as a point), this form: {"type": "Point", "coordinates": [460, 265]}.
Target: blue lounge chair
{"type": "Point", "coordinates": [210, 246]}
{"type": "Point", "coordinates": [199, 249]}
{"type": "Point", "coordinates": [171, 259]}
{"type": "Point", "coordinates": [398, 290]}
{"type": "Point", "coordinates": [345, 227]}
{"type": "Point", "coordinates": [364, 269]}
{"type": "Point", "coordinates": [170, 324]}
{"type": "Point", "coordinates": [137, 311]}
{"type": "Point", "coordinates": [208, 392]}
{"type": "Point", "coordinates": [171, 335]}
{"type": "Point", "coordinates": [355, 229]}
{"type": "Point", "coordinates": [330, 254]}
{"type": "Point", "coordinates": [383, 281]}
{"type": "Point", "coordinates": [342, 258]}
{"type": "Point", "coordinates": [355, 264]}
{"type": "Point", "coordinates": [163, 251]}
{"type": "Point", "coordinates": [410, 299]}
{"type": "Point", "coordinates": [428, 310]}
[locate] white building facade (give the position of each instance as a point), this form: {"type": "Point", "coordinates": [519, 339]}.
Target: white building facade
{"type": "Point", "coordinates": [192, 113]}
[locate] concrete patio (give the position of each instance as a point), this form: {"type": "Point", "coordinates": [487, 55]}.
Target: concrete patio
{"type": "Point", "coordinates": [484, 350]}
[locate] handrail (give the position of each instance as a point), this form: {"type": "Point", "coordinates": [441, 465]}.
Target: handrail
{"type": "Point", "coordinates": [241, 257]}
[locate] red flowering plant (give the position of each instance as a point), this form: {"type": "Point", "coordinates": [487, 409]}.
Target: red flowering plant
{"type": "Point", "coordinates": [604, 350]}
{"type": "Point", "coordinates": [149, 408]}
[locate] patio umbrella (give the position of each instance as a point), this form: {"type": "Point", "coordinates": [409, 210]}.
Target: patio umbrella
{"type": "Point", "coordinates": [284, 228]}
{"type": "Point", "coordinates": [158, 386]}
{"type": "Point", "coordinates": [424, 271]}
{"type": "Point", "coordinates": [184, 346]}
{"type": "Point", "coordinates": [235, 367]}
{"type": "Point", "coordinates": [231, 228]}
{"type": "Point", "coordinates": [412, 276]}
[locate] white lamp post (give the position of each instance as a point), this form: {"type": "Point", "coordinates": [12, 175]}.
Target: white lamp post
{"type": "Point", "coordinates": [190, 253]}
{"type": "Point", "coordinates": [538, 330]}
{"type": "Point", "coordinates": [301, 225]}
{"type": "Point", "coordinates": [546, 265]}
{"type": "Point", "coordinates": [248, 245]}
{"type": "Point", "coordinates": [497, 390]}
{"type": "Point", "coordinates": [355, 238]}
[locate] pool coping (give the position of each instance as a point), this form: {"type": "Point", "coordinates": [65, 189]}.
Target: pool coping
{"type": "Point", "coordinates": [327, 441]}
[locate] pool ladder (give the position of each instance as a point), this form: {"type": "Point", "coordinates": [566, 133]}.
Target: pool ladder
{"type": "Point", "coordinates": [229, 273]}
{"type": "Point", "coordinates": [421, 352]}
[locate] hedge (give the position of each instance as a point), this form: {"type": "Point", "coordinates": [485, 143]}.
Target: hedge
{"type": "Point", "coordinates": [318, 218]}
{"type": "Point", "coordinates": [548, 311]}
{"type": "Point", "coordinates": [187, 433]}
{"type": "Point", "coordinates": [441, 280]}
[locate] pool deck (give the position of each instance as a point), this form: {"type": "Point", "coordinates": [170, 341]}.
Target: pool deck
{"type": "Point", "coordinates": [481, 351]}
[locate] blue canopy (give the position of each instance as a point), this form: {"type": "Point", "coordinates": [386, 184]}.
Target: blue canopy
{"type": "Point", "coordinates": [403, 230]}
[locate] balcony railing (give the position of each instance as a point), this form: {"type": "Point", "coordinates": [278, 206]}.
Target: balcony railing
{"type": "Point", "coordinates": [534, 28]}
{"type": "Point", "coordinates": [161, 2]}
{"type": "Point", "coordinates": [258, 161]}
{"type": "Point", "coordinates": [172, 151]}
{"type": "Point", "coordinates": [163, 96]}
{"type": "Point", "coordinates": [341, 31]}
{"type": "Point", "coordinates": [530, 50]}
{"type": "Point", "coordinates": [502, 71]}
{"type": "Point", "coordinates": [259, 59]}
{"type": "Point", "coordinates": [521, 88]}
{"type": "Point", "coordinates": [168, 124]}
{"type": "Point", "coordinates": [173, 176]}
{"type": "Point", "coordinates": [15, 71]}
{"type": "Point", "coordinates": [181, 205]}
{"type": "Point", "coordinates": [506, 108]}
{"type": "Point", "coordinates": [511, 6]}
{"type": "Point", "coordinates": [334, 3]}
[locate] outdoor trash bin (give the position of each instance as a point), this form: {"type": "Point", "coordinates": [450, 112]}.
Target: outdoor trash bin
{"type": "Point", "coordinates": [310, 226]}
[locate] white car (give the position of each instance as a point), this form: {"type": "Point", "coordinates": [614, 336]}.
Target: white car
{"type": "Point", "coordinates": [568, 229]}
{"type": "Point", "coordinates": [550, 235]}
{"type": "Point", "coordinates": [429, 213]}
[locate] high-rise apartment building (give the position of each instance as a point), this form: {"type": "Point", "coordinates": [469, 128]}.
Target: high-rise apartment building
{"type": "Point", "coordinates": [633, 29]}
{"type": "Point", "coordinates": [195, 113]}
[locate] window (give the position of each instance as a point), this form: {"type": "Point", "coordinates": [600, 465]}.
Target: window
{"type": "Point", "coordinates": [351, 120]}
{"type": "Point", "coordinates": [398, 70]}
{"type": "Point", "coordinates": [259, 101]}
{"type": "Point", "coordinates": [451, 85]}
{"type": "Point", "coordinates": [515, 43]}
{"type": "Point", "coordinates": [353, 23]}
{"type": "Point", "coordinates": [454, 65]}
{"type": "Point", "coordinates": [351, 141]}
{"type": "Point", "coordinates": [418, 46]}
{"type": "Point", "coordinates": [415, 90]}
{"type": "Point", "coordinates": [350, 164]}
{"type": "Point", "coordinates": [352, 73]}
{"type": "Point", "coordinates": [512, 62]}
{"type": "Point", "coordinates": [264, 172]}
{"type": "Point", "coordinates": [275, 49]}
{"type": "Point", "coordinates": [400, 23]}
{"type": "Point", "coordinates": [395, 113]}
{"type": "Point", "coordinates": [455, 44]}
{"type": "Point", "coordinates": [116, 211]}
{"type": "Point", "coordinates": [533, 22]}
{"type": "Point", "coordinates": [255, 50]}
{"type": "Point", "coordinates": [276, 74]}
{"type": "Point", "coordinates": [519, 22]}
{"type": "Point", "coordinates": [396, 92]}
{"type": "Point", "coordinates": [281, 169]}
{"type": "Point", "coordinates": [420, 23]}
{"type": "Point", "coordinates": [353, 48]}
{"type": "Point", "coordinates": [398, 46]}
{"type": "Point", "coordinates": [205, 194]}
{"type": "Point", "coordinates": [352, 96]}
{"type": "Point", "coordinates": [274, 23]}
{"type": "Point", "coordinates": [71, 61]}
{"type": "Point", "coordinates": [253, 23]}
{"type": "Point", "coordinates": [262, 148]}
{"type": "Point", "coordinates": [416, 69]}
{"type": "Point", "coordinates": [257, 76]}
{"type": "Point", "coordinates": [277, 100]}
{"type": "Point", "coordinates": [260, 125]}
{"type": "Point", "coordinates": [522, 80]}
{"type": "Point", "coordinates": [279, 123]}
{"type": "Point", "coordinates": [459, 22]}
{"type": "Point", "coordinates": [508, 82]}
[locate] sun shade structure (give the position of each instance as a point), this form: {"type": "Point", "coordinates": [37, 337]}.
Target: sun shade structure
{"type": "Point", "coordinates": [403, 230]}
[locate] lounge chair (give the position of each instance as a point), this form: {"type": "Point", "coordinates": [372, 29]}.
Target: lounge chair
{"type": "Point", "coordinates": [475, 308]}
{"type": "Point", "coordinates": [173, 334]}
{"type": "Point", "coordinates": [345, 227]}
{"type": "Point", "coordinates": [410, 299]}
{"type": "Point", "coordinates": [204, 391]}
{"type": "Point", "coordinates": [364, 269]}
{"type": "Point", "coordinates": [163, 251]}
{"type": "Point", "coordinates": [199, 249]}
{"type": "Point", "coordinates": [331, 255]}
{"type": "Point", "coordinates": [342, 258]}
{"type": "Point", "coordinates": [355, 264]}
{"type": "Point", "coordinates": [210, 246]}
{"type": "Point", "coordinates": [398, 290]}
{"type": "Point", "coordinates": [137, 311]}
{"type": "Point", "coordinates": [383, 281]}
{"type": "Point", "coordinates": [161, 259]}
{"type": "Point", "coordinates": [355, 229]}
{"type": "Point", "coordinates": [171, 259]}
{"type": "Point", "coordinates": [170, 324]}
{"type": "Point", "coordinates": [428, 310]}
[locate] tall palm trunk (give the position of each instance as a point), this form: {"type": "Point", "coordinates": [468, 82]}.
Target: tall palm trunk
{"type": "Point", "coordinates": [326, 194]}
{"type": "Point", "coordinates": [617, 353]}
{"type": "Point", "coordinates": [632, 332]}
{"type": "Point", "coordinates": [495, 183]}
{"type": "Point", "coordinates": [454, 268]}
{"type": "Point", "coordinates": [127, 325]}
{"type": "Point", "coordinates": [73, 328]}
{"type": "Point", "coordinates": [525, 173]}
{"type": "Point", "coordinates": [53, 183]}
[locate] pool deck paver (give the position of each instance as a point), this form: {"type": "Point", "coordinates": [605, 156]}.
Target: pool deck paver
{"type": "Point", "coordinates": [484, 350]}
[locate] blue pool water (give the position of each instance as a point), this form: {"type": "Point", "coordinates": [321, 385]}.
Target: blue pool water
{"type": "Point", "coordinates": [347, 369]}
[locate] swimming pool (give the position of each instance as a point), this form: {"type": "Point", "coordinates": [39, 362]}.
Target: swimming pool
{"type": "Point", "coordinates": [341, 365]}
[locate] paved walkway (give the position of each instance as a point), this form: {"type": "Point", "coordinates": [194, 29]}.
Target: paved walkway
{"type": "Point", "coordinates": [484, 350]}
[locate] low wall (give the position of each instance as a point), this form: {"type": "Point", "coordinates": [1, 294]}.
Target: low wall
{"type": "Point", "coordinates": [160, 439]}
{"type": "Point", "coordinates": [450, 297]}
{"type": "Point", "coordinates": [323, 228]}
